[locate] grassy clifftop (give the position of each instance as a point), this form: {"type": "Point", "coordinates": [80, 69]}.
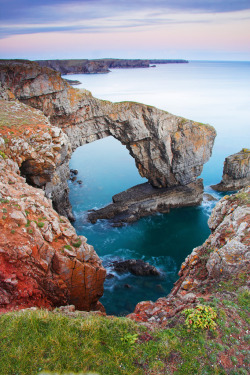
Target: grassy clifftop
{"type": "Point", "coordinates": [34, 342]}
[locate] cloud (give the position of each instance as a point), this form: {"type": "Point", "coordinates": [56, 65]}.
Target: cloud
{"type": "Point", "coordinates": [33, 16]}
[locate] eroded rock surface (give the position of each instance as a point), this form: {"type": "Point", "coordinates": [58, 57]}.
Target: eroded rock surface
{"type": "Point", "coordinates": [41, 151]}
{"type": "Point", "coordinates": [143, 200]}
{"type": "Point", "coordinates": [236, 172]}
{"type": "Point", "coordinates": [224, 255]}
{"type": "Point", "coordinates": [42, 260]}
{"type": "Point", "coordinates": [168, 150]}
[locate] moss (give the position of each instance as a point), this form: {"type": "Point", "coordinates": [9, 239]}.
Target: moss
{"type": "Point", "coordinates": [40, 224]}
{"type": "Point", "coordinates": [3, 155]}
{"type": "Point", "coordinates": [68, 247]}
{"type": "Point", "coordinates": [77, 244]}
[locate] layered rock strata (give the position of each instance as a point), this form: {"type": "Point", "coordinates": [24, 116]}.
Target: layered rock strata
{"type": "Point", "coordinates": [143, 200]}
{"type": "Point", "coordinates": [224, 255]}
{"type": "Point", "coordinates": [42, 260]}
{"type": "Point", "coordinates": [236, 172]}
{"type": "Point", "coordinates": [41, 151]}
{"type": "Point", "coordinates": [168, 150]}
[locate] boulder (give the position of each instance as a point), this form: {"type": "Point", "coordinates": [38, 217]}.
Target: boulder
{"type": "Point", "coordinates": [135, 266]}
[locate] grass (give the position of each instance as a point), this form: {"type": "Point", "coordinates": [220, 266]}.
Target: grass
{"type": "Point", "coordinates": [33, 342]}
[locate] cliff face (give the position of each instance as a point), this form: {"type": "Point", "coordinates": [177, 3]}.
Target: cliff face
{"type": "Point", "coordinates": [224, 256]}
{"type": "Point", "coordinates": [236, 172]}
{"type": "Point", "coordinates": [168, 150]}
{"type": "Point", "coordinates": [42, 260]}
{"type": "Point", "coordinates": [41, 151]}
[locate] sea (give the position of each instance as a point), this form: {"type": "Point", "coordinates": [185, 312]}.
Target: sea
{"type": "Point", "coordinates": [213, 92]}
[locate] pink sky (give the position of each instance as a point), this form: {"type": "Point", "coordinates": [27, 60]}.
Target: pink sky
{"type": "Point", "coordinates": [169, 34]}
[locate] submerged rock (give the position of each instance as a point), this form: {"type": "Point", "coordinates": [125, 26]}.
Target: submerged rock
{"type": "Point", "coordinates": [236, 172]}
{"type": "Point", "coordinates": [135, 266]}
{"type": "Point", "coordinates": [143, 200]}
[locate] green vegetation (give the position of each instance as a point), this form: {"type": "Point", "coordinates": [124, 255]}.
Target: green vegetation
{"type": "Point", "coordinates": [78, 243]}
{"type": "Point", "coordinates": [3, 155]}
{"type": "Point", "coordinates": [28, 223]}
{"type": "Point", "coordinates": [202, 317]}
{"type": "Point", "coordinates": [40, 224]}
{"type": "Point", "coordinates": [34, 342]}
{"type": "Point", "coordinates": [244, 300]}
{"type": "Point", "coordinates": [245, 150]}
{"type": "Point", "coordinates": [4, 200]}
{"type": "Point", "coordinates": [68, 247]}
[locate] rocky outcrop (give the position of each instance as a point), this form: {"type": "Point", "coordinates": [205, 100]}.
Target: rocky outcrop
{"type": "Point", "coordinates": [143, 200]}
{"type": "Point", "coordinates": [84, 66]}
{"type": "Point", "coordinates": [43, 261]}
{"type": "Point", "coordinates": [41, 151]}
{"type": "Point", "coordinates": [135, 266]}
{"type": "Point", "coordinates": [168, 150]}
{"type": "Point", "coordinates": [224, 255]}
{"type": "Point", "coordinates": [236, 172]}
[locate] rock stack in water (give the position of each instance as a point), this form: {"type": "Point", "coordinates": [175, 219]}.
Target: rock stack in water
{"type": "Point", "coordinates": [236, 172]}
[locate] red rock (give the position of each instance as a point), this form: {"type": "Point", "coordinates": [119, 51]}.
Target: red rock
{"type": "Point", "coordinates": [34, 268]}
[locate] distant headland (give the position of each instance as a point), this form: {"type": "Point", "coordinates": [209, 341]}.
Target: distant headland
{"type": "Point", "coordinates": [85, 66]}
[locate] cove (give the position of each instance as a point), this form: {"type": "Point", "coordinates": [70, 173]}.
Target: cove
{"type": "Point", "coordinates": [212, 92]}
{"type": "Point", "coordinates": [164, 240]}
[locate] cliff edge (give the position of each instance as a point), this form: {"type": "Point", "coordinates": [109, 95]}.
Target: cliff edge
{"type": "Point", "coordinates": [43, 261]}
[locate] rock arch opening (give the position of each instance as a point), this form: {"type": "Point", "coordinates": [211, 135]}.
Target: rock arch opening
{"type": "Point", "coordinates": [105, 168]}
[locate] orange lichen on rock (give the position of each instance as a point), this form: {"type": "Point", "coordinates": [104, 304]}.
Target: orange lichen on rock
{"type": "Point", "coordinates": [40, 265]}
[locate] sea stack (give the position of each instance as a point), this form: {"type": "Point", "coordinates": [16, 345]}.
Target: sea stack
{"type": "Point", "coordinates": [236, 172]}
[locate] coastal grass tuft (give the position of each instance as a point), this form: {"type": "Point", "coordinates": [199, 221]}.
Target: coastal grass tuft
{"type": "Point", "coordinates": [34, 342]}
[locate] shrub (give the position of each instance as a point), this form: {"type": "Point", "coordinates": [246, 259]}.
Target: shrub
{"type": "Point", "coordinates": [201, 317]}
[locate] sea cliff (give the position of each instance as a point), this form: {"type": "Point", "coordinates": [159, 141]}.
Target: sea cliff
{"type": "Point", "coordinates": [168, 150]}
{"type": "Point", "coordinates": [85, 66]}
{"type": "Point", "coordinates": [44, 263]}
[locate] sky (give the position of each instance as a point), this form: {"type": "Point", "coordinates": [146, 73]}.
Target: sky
{"type": "Point", "coordinates": [185, 29]}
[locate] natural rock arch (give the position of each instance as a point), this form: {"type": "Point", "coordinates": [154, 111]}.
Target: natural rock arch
{"type": "Point", "coordinates": [168, 150]}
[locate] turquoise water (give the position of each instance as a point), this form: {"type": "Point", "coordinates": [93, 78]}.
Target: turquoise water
{"type": "Point", "coordinates": [212, 92]}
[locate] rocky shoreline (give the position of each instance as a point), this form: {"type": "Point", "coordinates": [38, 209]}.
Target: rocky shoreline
{"type": "Point", "coordinates": [43, 262]}
{"type": "Point", "coordinates": [222, 257]}
{"type": "Point", "coordinates": [100, 66]}
{"type": "Point", "coordinates": [168, 150]}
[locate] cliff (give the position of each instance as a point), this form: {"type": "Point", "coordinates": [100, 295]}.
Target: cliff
{"type": "Point", "coordinates": [236, 172]}
{"type": "Point", "coordinates": [85, 66]}
{"type": "Point", "coordinates": [202, 327]}
{"type": "Point", "coordinates": [43, 261]}
{"type": "Point", "coordinates": [211, 268]}
{"type": "Point", "coordinates": [58, 266]}
{"type": "Point", "coordinates": [168, 150]}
